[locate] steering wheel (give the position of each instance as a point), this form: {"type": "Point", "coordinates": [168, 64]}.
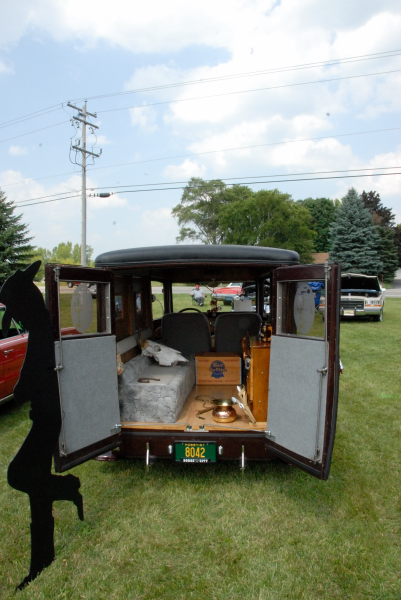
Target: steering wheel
{"type": "Point", "coordinates": [190, 308]}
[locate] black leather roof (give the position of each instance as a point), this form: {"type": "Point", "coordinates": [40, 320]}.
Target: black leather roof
{"type": "Point", "coordinates": [192, 254]}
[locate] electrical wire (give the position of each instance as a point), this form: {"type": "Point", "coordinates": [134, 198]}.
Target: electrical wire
{"type": "Point", "coordinates": [248, 183]}
{"type": "Point", "coordinates": [149, 160]}
{"type": "Point", "coordinates": [207, 181]}
{"type": "Point", "coordinates": [274, 87]}
{"type": "Point", "coordinates": [35, 131]}
{"type": "Point", "coordinates": [332, 62]}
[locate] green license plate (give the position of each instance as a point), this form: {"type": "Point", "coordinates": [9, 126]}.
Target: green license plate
{"type": "Point", "coordinates": [195, 452]}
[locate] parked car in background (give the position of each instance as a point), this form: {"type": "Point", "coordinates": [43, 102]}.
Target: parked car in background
{"type": "Point", "coordinates": [361, 296]}
{"type": "Point", "coordinates": [12, 354]}
{"type": "Point", "coordinates": [249, 293]}
{"type": "Point", "coordinates": [227, 293]}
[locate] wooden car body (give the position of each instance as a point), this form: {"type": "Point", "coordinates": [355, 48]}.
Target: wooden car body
{"type": "Point", "coordinates": [290, 381]}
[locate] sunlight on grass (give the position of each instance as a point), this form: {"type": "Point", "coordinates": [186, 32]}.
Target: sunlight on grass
{"type": "Point", "coordinates": [207, 533]}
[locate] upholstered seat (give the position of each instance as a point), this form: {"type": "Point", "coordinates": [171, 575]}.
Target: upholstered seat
{"type": "Point", "coordinates": [231, 327]}
{"type": "Point", "coordinates": [189, 333]}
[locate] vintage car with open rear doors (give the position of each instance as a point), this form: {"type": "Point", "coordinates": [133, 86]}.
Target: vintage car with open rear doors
{"type": "Point", "coordinates": [148, 375]}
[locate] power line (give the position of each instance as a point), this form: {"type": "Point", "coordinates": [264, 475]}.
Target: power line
{"type": "Point", "coordinates": [149, 160]}
{"type": "Point", "coordinates": [332, 62]}
{"type": "Point", "coordinates": [275, 87]}
{"type": "Point", "coordinates": [34, 115]}
{"type": "Point", "coordinates": [239, 183]}
{"type": "Point", "coordinates": [264, 89]}
{"type": "Point", "coordinates": [54, 200]}
{"type": "Point", "coordinates": [250, 177]}
{"type": "Point", "coordinates": [170, 183]}
{"type": "Point", "coordinates": [35, 131]}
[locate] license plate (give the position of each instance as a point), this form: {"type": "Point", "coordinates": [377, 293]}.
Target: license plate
{"type": "Point", "coordinates": [195, 452]}
{"type": "Point", "coordinates": [349, 313]}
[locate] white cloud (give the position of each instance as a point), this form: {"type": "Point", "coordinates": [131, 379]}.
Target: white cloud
{"type": "Point", "coordinates": [185, 170]}
{"type": "Point", "coordinates": [5, 68]}
{"type": "Point", "coordinates": [17, 150]}
{"type": "Point", "coordinates": [102, 140]}
{"type": "Point", "coordinates": [51, 221]}
{"type": "Point", "coordinates": [144, 117]}
{"type": "Point", "coordinates": [97, 203]}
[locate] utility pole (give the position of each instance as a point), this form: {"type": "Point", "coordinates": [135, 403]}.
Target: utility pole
{"type": "Point", "coordinates": [82, 115]}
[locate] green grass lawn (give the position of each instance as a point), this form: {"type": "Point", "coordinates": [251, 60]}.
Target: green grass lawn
{"type": "Point", "coordinates": [181, 301]}
{"type": "Point", "coordinates": [201, 532]}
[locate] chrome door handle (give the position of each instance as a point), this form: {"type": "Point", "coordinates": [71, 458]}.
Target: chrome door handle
{"type": "Point", "coordinates": [8, 351]}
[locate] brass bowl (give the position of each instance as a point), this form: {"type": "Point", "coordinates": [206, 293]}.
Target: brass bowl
{"type": "Point", "coordinates": [222, 402]}
{"type": "Point", "coordinates": [224, 414]}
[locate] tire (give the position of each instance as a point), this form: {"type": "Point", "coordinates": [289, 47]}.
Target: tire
{"type": "Point", "coordinates": [379, 317]}
{"type": "Point", "coordinates": [70, 284]}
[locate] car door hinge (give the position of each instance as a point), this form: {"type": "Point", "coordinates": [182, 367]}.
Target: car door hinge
{"type": "Point", "coordinates": [322, 371]}
{"type": "Point", "coordinates": [270, 436]}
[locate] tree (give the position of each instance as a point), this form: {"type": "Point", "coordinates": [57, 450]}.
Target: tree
{"type": "Point", "coordinates": [354, 240]}
{"type": "Point", "coordinates": [15, 250]}
{"type": "Point", "coordinates": [64, 253]}
{"type": "Point", "coordinates": [267, 218]}
{"type": "Point", "coordinates": [388, 252]}
{"type": "Point", "coordinates": [67, 254]}
{"type": "Point", "coordinates": [323, 212]}
{"type": "Point", "coordinates": [381, 216]}
{"type": "Point", "coordinates": [384, 220]}
{"type": "Point", "coordinates": [199, 207]}
{"type": "Point", "coordinates": [397, 242]}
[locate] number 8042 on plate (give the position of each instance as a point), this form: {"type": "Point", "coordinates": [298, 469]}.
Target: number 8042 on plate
{"type": "Point", "coordinates": [195, 452]}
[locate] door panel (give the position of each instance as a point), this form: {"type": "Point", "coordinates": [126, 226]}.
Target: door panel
{"type": "Point", "coordinates": [88, 391]}
{"type": "Point", "coordinates": [86, 361]}
{"type": "Point", "coordinates": [296, 421]}
{"type": "Point", "coordinates": [304, 367]}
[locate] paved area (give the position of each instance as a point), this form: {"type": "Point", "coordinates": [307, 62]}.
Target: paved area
{"type": "Point", "coordinates": [395, 291]}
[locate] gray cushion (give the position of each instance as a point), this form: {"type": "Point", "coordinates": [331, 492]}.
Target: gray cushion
{"type": "Point", "coordinates": [189, 333]}
{"type": "Point", "coordinates": [230, 328]}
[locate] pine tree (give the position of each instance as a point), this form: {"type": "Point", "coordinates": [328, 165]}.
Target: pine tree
{"type": "Point", "coordinates": [354, 240]}
{"type": "Point", "coordinates": [384, 220]}
{"type": "Point", "coordinates": [15, 249]}
{"type": "Point", "coordinates": [397, 242]}
{"type": "Point", "coordinates": [323, 212]}
{"type": "Point", "coordinates": [388, 253]}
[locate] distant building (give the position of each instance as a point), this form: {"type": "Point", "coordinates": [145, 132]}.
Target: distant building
{"type": "Point", "coordinates": [320, 257]}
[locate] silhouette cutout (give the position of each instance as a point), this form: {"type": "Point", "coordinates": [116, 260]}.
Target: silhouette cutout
{"type": "Point", "coordinates": [30, 470]}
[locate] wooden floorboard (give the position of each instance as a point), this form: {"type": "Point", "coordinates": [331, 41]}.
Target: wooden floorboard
{"type": "Point", "coordinates": [197, 400]}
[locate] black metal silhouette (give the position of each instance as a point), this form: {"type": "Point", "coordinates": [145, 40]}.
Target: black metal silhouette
{"type": "Point", "coordinates": [30, 470]}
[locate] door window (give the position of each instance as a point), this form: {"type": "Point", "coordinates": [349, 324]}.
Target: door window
{"type": "Point", "coordinates": [84, 308]}
{"type": "Point", "coordinates": [300, 309]}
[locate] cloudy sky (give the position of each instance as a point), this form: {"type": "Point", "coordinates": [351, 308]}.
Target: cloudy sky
{"type": "Point", "coordinates": [263, 91]}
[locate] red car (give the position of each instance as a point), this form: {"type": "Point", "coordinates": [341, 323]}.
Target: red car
{"type": "Point", "coordinates": [227, 293]}
{"type": "Point", "coordinates": [12, 354]}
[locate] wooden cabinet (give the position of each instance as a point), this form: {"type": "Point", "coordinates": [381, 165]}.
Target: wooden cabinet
{"type": "Point", "coordinates": [258, 379]}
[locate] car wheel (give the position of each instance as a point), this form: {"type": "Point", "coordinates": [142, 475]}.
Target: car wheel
{"type": "Point", "coordinates": [378, 317]}
{"type": "Point", "coordinates": [70, 284]}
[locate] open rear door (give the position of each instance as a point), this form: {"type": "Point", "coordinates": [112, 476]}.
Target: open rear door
{"type": "Point", "coordinates": [81, 305]}
{"type": "Point", "coordinates": [304, 366]}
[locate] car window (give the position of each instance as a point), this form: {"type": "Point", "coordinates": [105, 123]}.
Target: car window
{"type": "Point", "coordinates": [302, 312]}
{"type": "Point", "coordinates": [15, 329]}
